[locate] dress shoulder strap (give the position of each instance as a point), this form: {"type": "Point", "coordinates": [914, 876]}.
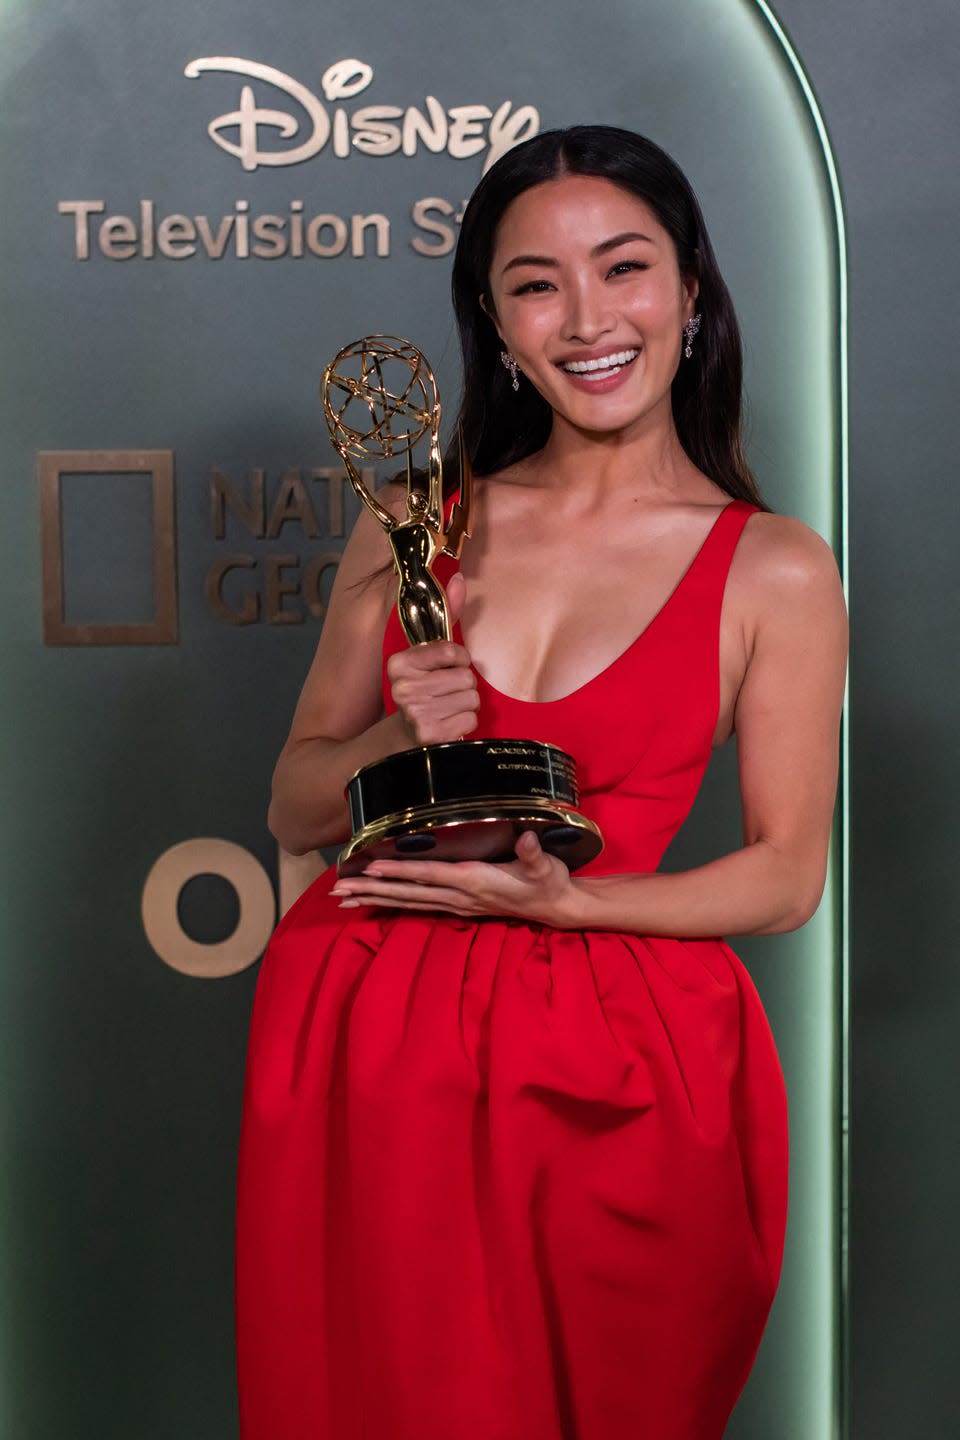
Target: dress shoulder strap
{"type": "Point", "coordinates": [710, 569]}
{"type": "Point", "coordinates": [700, 597]}
{"type": "Point", "coordinates": [720, 544]}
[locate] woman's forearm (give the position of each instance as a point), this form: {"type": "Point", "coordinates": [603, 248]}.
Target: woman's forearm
{"type": "Point", "coordinates": [307, 806]}
{"type": "Point", "coordinates": [758, 890]}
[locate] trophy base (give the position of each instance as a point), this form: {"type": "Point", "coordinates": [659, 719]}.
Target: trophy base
{"type": "Point", "coordinates": [467, 800]}
{"type": "Point", "coordinates": [478, 830]}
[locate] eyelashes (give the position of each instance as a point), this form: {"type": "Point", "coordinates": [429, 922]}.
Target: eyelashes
{"type": "Point", "coordinates": [542, 287]}
{"type": "Point", "coordinates": [626, 265]}
{"type": "Point", "coordinates": [532, 287]}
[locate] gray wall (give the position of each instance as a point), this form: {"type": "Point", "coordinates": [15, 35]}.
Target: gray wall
{"type": "Point", "coordinates": [885, 76]}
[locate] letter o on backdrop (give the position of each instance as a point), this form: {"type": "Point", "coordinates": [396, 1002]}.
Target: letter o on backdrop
{"type": "Point", "coordinates": [162, 891]}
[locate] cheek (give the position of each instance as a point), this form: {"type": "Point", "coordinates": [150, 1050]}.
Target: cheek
{"type": "Point", "coordinates": [525, 332]}
{"type": "Point", "coordinates": [657, 309]}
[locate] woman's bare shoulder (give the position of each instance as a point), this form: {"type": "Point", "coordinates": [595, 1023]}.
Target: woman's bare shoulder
{"type": "Point", "coordinates": [784, 580]}
{"type": "Point", "coordinates": [782, 556]}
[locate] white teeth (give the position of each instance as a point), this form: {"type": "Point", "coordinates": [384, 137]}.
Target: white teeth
{"type": "Point", "coordinates": [606, 362]}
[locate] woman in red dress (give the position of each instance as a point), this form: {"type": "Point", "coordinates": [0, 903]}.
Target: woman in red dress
{"type": "Point", "coordinates": [513, 1162]}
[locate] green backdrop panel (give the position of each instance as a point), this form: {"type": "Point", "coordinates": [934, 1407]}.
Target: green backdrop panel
{"type": "Point", "coordinates": [174, 280]}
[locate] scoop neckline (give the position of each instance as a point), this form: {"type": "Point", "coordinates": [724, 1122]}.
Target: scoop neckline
{"type": "Point", "coordinates": [634, 643]}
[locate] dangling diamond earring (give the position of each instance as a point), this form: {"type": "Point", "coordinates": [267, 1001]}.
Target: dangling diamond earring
{"type": "Point", "coordinates": [689, 330]}
{"type": "Point", "coordinates": [509, 363]}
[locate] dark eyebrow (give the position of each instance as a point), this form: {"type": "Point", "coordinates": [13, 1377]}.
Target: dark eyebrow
{"type": "Point", "coordinates": [603, 248]}
{"type": "Point", "coordinates": [528, 260]}
{"type": "Point", "coordinates": [606, 245]}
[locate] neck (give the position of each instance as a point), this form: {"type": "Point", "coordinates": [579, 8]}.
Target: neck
{"type": "Point", "coordinates": [646, 460]}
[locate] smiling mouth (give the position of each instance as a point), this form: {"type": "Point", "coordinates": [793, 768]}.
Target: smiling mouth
{"type": "Point", "coordinates": [602, 368]}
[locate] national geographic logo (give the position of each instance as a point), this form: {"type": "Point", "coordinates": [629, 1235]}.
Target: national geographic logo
{"type": "Point", "coordinates": [264, 582]}
{"type": "Point", "coordinates": [313, 124]}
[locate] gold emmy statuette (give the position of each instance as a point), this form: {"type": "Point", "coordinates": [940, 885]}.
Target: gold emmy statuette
{"type": "Point", "coordinates": [465, 799]}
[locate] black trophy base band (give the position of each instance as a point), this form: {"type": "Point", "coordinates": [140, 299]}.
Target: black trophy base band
{"type": "Point", "coordinates": [467, 800]}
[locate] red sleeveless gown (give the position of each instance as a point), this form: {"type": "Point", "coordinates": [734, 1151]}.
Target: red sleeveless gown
{"type": "Point", "coordinates": [502, 1182]}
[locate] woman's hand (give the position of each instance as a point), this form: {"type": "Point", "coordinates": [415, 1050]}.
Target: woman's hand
{"type": "Point", "coordinates": [433, 686]}
{"type": "Point", "coordinates": [536, 886]}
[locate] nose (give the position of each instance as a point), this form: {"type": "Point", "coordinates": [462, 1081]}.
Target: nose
{"type": "Point", "coordinates": [589, 313]}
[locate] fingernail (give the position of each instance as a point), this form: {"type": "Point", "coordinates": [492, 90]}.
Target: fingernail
{"type": "Point", "coordinates": [349, 904]}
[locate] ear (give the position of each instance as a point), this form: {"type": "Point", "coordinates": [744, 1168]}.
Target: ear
{"type": "Point", "coordinates": [691, 286]}
{"type": "Point", "coordinates": [486, 305]}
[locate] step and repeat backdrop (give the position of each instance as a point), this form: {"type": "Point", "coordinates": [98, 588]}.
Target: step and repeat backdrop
{"type": "Point", "coordinates": [200, 206]}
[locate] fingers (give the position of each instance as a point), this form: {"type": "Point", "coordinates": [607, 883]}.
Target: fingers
{"type": "Point", "coordinates": [435, 691]}
{"type": "Point", "coordinates": [530, 852]}
{"type": "Point", "coordinates": [535, 886]}
{"type": "Point", "coordinates": [432, 719]}
{"type": "Point", "coordinates": [413, 897]}
{"type": "Point", "coordinates": [427, 727]}
{"type": "Point", "coordinates": [410, 885]}
{"type": "Point", "coordinates": [432, 684]}
{"type": "Point", "coordinates": [434, 655]}
{"type": "Point", "coordinates": [424, 872]}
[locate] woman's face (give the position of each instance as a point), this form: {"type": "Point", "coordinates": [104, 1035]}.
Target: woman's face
{"type": "Point", "coordinates": [586, 293]}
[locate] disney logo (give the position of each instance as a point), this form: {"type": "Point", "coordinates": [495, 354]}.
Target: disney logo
{"type": "Point", "coordinates": [461, 130]}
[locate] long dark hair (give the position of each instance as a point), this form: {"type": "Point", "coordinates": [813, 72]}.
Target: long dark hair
{"type": "Point", "coordinates": [501, 426]}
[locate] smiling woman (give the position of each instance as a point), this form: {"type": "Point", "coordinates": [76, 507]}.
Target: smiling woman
{"type": "Point", "coordinates": [514, 1144]}
{"type": "Point", "coordinates": [604, 313]}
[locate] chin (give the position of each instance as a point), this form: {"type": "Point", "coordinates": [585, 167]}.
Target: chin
{"type": "Point", "coordinates": [601, 419]}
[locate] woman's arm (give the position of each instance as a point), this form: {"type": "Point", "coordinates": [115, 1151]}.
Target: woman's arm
{"type": "Point", "coordinates": [339, 723]}
{"type": "Point", "coordinates": [787, 722]}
